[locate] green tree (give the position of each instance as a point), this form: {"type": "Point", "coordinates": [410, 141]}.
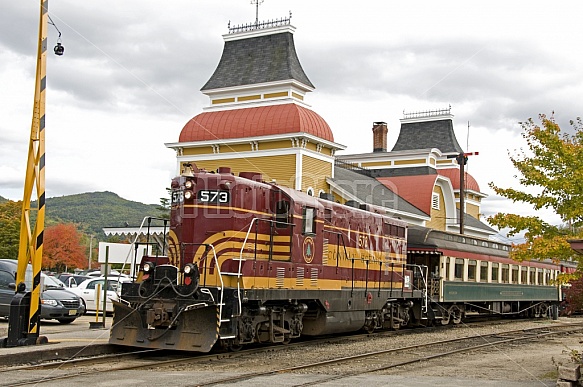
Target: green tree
{"type": "Point", "coordinates": [552, 168]}
{"type": "Point", "coordinates": [10, 213]}
{"type": "Point", "coordinates": [164, 207]}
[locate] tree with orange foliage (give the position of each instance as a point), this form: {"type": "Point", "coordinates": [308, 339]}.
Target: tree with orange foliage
{"type": "Point", "coordinates": [62, 248]}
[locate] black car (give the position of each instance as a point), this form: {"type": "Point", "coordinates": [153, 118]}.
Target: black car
{"type": "Point", "coordinates": [56, 302]}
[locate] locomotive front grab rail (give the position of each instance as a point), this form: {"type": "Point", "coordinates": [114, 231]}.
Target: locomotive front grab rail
{"type": "Point", "coordinates": [205, 273]}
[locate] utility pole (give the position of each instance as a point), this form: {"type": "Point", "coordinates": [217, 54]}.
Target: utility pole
{"type": "Point", "coordinates": [90, 252]}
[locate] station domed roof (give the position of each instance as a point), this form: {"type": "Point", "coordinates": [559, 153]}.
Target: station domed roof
{"type": "Point", "coordinates": [269, 120]}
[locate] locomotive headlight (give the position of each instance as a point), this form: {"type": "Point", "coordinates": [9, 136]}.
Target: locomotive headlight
{"type": "Point", "coordinates": [190, 269]}
{"type": "Point", "coordinates": [188, 195]}
{"type": "Point", "coordinates": [189, 184]}
{"type": "Point", "coordinates": [149, 267]}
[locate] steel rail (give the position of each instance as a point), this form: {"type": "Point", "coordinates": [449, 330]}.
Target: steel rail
{"type": "Point", "coordinates": [567, 329]}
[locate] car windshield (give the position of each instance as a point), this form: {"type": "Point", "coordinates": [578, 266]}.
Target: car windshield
{"type": "Point", "coordinates": [52, 282]}
{"type": "Point", "coordinates": [49, 282]}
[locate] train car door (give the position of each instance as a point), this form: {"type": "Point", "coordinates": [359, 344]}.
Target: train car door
{"type": "Point", "coordinates": [280, 243]}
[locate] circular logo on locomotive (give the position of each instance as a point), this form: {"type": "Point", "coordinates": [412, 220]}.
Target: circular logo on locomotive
{"type": "Point", "coordinates": [309, 249]}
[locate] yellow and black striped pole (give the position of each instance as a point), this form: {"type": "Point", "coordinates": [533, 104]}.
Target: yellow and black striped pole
{"type": "Point", "coordinates": [31, 238]}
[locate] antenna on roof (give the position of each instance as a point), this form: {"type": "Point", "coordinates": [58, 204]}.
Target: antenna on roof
{"type": "Point", "coordinates": [257, 4]}
{"type": "Point", "coordinates": [468, 137]}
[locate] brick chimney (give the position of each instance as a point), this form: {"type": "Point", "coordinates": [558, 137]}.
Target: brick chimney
{"type": "Point", "coordinates": [379, 133]}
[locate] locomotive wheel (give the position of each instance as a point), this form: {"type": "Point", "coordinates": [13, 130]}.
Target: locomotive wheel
{"type": "Point", "coordinates": [456, 313]}
{"type": "Point", "coordinates": [446, 317]}
{"type": "Point", "coordinates": [369, 328]}
{"type": "Point", "coordinates": [230, 346]}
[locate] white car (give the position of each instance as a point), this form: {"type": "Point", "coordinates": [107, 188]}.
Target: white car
{"type": "Point", "coordinates": [88, 291]}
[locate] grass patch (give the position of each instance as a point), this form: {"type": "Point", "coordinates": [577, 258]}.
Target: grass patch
{"type": "Point", "coordinates": [550, 375]}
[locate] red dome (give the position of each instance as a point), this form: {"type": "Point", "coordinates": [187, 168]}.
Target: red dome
{"type": "Point", "coordinates": [454, 175]}
{"type": "Point", "coordinates": [257, 121]}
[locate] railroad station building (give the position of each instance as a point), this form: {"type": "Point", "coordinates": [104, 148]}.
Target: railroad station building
{"type": "Point", "coordinates": [258, 121]}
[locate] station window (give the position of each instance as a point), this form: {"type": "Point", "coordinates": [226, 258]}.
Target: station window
{"type": "Point", "coordinates": [523, 274]}
{"type": "Point", "coordinates": [484, 271]}
{"type": "Point", "coordinates": [459, 269]}
{"type": "Point", "coordinates": [495, 267]}
{"type": "Point", "coordinates": [505, 274]}
{"type": "Point", "coordinates": [539, 274]}
{"type": "Point", "coordinates": [515, 273]}
{"type": "Point", "coordinates": [472, 269]}
{"type": "Point", "coordinates": [309, 220]}
{"type": "Point", "coordinates": [532, 275]}
{"type": "Point", "coordinates": [548, 277]}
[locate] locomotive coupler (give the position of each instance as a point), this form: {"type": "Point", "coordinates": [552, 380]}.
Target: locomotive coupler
{"type": "Point", "coordinates": [158, 315]}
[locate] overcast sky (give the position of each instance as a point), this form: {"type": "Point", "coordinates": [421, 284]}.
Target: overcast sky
{"type": "Point", "coordinates": [132, 71]}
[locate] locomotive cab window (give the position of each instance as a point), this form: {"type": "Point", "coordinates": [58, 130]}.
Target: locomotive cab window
{"type": "Point", "coordinates": [282, 214]}
{"type": "Point", "coordinates": [309, 218]}
{"type": "Point", "coordinates": [328, 215]}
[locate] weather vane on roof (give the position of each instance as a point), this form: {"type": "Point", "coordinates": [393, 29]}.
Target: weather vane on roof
{"type": "Point", "coordinates": [257, 4]}
{"type": "Point", "coordinates": [284, 21]}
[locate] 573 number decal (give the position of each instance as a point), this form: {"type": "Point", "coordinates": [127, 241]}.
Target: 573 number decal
{"type": "Point", "coordinates": [212, 196]}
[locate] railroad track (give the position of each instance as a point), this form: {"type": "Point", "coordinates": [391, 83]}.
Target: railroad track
{"type": "Point", "coordinates": [384, 360]}
{"type": "Point", "coordinates": [156, 359]}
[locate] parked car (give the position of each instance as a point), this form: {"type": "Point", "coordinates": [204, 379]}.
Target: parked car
{"type": "Point", "coordinates": [87, 290]}
{"type": "Point", "coordinates": [72, 280]}
{"type": "Point", "coordinates": [56, 302]}
{"type": "Point", "coordinates": [110, 274]}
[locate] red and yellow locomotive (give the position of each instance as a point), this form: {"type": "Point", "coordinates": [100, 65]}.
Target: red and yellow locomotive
{"type": "Point", "coordinates": [254, 262]}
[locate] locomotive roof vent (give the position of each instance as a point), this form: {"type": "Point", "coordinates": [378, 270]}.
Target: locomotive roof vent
{"type": "Point", "coordinates": [353, 203]}
{"type": "Point", "coordinates": [327, 196]}
{"type": "Point", "coordinates": [251, 176]}
{"type": "Point", "coordinates": [224, 170]}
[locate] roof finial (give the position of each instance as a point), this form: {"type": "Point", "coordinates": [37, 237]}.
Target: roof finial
{"type": "Point", "coordinates": [257, 4]}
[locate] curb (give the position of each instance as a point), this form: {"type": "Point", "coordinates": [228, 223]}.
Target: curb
{"type": "Point", "coordinates": [55, 353]}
